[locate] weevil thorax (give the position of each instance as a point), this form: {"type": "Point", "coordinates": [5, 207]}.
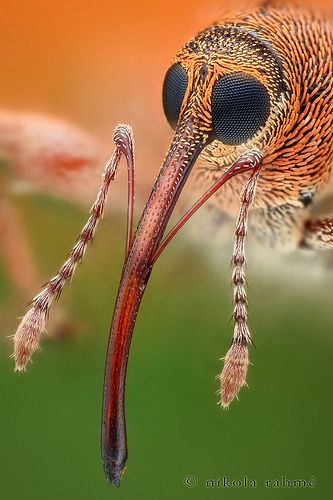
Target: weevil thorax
{"type": "Point", "coordinates": [289, 53]}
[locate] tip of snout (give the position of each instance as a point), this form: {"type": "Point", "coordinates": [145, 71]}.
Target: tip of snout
{"type": "Point", "coordinates": [113, 472]}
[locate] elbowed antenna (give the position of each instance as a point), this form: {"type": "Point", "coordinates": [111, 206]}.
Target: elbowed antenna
{"type": "Point", "coordinates": [33, 323]}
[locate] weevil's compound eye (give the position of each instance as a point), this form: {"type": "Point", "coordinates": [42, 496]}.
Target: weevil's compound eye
{"type": "Point", "coordinates": [240, 107]}
{"type": "Point", "coordinates": [174, 89]}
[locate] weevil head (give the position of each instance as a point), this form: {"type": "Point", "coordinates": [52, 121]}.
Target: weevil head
{"type": "Point", "coordinates": [233, 82]}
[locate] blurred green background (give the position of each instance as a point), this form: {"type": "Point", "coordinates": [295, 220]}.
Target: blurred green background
{"type": "Point", "coordinates": [50, 416]}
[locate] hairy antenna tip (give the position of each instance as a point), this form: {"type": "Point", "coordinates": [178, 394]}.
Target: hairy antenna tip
{"type": "Point", "coordinates": [27, 336]}
{"type": "Point", "coordinates": [234, 372]}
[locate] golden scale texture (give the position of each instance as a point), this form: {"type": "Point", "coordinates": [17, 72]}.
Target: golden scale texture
{"type": "Point", "coordinates": [290, 51]}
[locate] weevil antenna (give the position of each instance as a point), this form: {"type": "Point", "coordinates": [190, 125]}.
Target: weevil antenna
{"type": "Point", "coordinates": [236, 361]}
{"type": "Point", "coordinates": [27, 336]}
{"type": "Point", "coordinates": [250, 161]}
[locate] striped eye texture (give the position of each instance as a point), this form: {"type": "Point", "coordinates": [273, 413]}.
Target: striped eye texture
{"type": "Point", "coordinates": [240, 107]}
{"type": "Point", "coordinates": [174, 89]}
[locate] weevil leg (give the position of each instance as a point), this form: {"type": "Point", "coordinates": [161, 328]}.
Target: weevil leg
{"type": "Point", "coordinates": [27, 336]}
{"type": "Point", "coordinates": [18, 258]}
{"type": "Point", "coordinates": [15, 250]}
{"type": "Point", "coordinates": [318, 234]}
{"type": "Point", "coordinates": [278, 227]}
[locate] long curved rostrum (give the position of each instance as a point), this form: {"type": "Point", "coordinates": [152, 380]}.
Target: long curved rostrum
{"type": "Point", "coordinates": [183, 152]}
{"type": "Point", "coordinates": [185, 148]}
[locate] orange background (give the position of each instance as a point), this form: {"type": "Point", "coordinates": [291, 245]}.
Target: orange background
{"type": "Point", "coordinates": [98, 62]}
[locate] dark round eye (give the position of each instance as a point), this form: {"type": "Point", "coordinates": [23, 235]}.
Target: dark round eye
{"type": "Point", "coordinates": [174, 88]}
{"type": "Point", "coordinates": [240, 107]}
